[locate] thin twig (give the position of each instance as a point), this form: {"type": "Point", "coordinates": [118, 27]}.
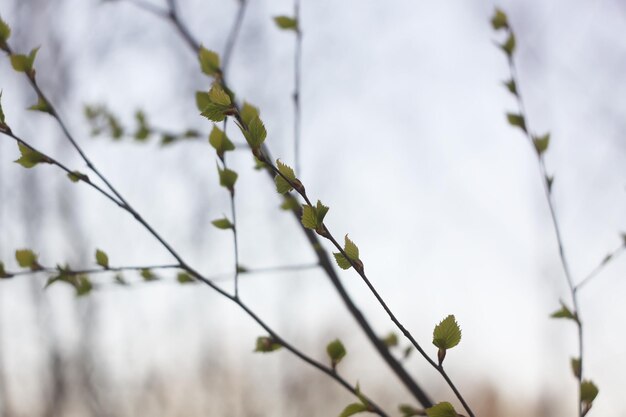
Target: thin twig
{"type": "Point", "coordinates": [605, 261]}
{"type": "Point", "coordinates": [547, 187]}
{"type": "Point", "coordinates": [323, 257]}
{"type": "Point", "coordinates": [122, 203]}
{"type": "Point", "coordinates": [297, 106]}
{"type": "Point", "coordinates": [232, 35]}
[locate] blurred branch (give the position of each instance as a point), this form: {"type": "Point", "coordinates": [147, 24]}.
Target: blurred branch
{"type": "Point", "coordinates": [323, 256]}
{"type": "Point", "coordinates": [605, 261]}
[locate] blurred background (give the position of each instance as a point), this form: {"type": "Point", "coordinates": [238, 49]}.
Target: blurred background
{"type": "Point", "coordinates": [403, 136]}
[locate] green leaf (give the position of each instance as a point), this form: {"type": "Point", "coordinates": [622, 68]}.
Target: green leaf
{"type": "Point", "coordinates": [76, 176]}
{"type": "Point", "coordinates": [255, 133]}
{"type": "Point", "coordinates": [218, 96]}
{"type": "Point", "coordinates": [309, 217]}
{"type": "Point", "coordinates": [336, 352]}
{"type": "Point", "coordinates": [24, 63]}
{"type": "Point", "coordinates": [443, 409]}
{"type": "Point", "coordinates": [447, 333]}
{"type": "Point", "coordinates": [220, 142]}
{"type": "Point", "coordinates": [352, 409]}
{"type": "Point", "coordinates": [218, 106]}
{"type": "Point", "coordinates": [390, 340]}
{"type": "Point", "coordinates": [248, 113]}
{"type": "Point", "coordinates": [2, 123]}
{"type": "Point", "coordinates": [102, 258]}
{"type": "Point", "coordinates": [184, 278]}
{"type": "Point", "coordinates": [499, 20]}
{"type": "Point", "coordinates": [42, 106]}
{"type": "Point", "coordinates": [351, 249]}
{"type": "Point", "coordinates": [511, 86]}
{"type": "Point", "coordinates": [509, 46]}
{"type": "Point", "coordinates": [342, 261]}
{"type": "Point", "coordinates": [289, 203]}
{"type": "Point", "coordinates": [564, 313]}
{"type": "Point", "coordinates": [5, 33]}
{"type": "Point", "coordinates": [30, 157]}
{"type": "Point", "coordinates": [83, 285]}
{"type": "Point", "coordinates": [209, 62]}
{"type": "Point", "coordinates": [26, 258]}
{"type": "Point", "coordinates": [266, 344]}
{"type": "Point", "coordinates": [286, 22]}
{"type": "Point", "coordinates": [516, 120]}
{"type": "Point", "coordinates": [202, 100]}
{"type": "Point", "coordinates": [588, 392]}
{"type": "Point", "coordinates": [223, 224]}
{"type": "Point", "coordinates": [320, 213]}
{"type": "Point", "coordinates": [409, 411]}
{"type": "Point", "coordinates": [3, 272]}
{"type": "Point", "coordinates": [282, 185]}
{"type": "Point", "coordinates": [541, 143]}
{"type": "Point", "coordinates": [148, 275]}
{"type": "Point", "coordinates": [228, 177]}
{"type": "Point", "coordinates": [143, 130]}
{"type": "Point", "coordinates": [575, 362]}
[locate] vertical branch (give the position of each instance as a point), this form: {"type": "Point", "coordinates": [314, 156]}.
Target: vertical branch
{"type": "Point", "coordinates": [233, 34]}
{"type": "Point", "coordinates": [297, 109]}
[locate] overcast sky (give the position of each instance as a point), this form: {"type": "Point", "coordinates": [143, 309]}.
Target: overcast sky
{"type": "Point", "coordinates": [404, 137]}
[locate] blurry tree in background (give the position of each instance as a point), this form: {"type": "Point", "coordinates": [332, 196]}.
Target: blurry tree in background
{"type": "Point", "coordinates": [135, 342]}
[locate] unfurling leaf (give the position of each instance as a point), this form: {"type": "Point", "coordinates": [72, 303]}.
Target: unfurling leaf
{"type": "Point", "coordinates": [2, 122]}
{"type": "Point", "coordinates": [209, 62]}
{"type": "Point", "coordinates": [248, 112]}
{"type": "Point", "coordinates": [26, 258]}
{"type": "Point", "coordinates": [509, 46]}
{"type": "Point", "coordinates": [30, 157]}
{"type": "Point", "coordinates": [352, 409]}
{"type": "Point", "coordinates": [289, 203]}
{"type": "Point", "coordinates": [286, 22]}
{"type": "Point", "coordinates": [342, 261]}
{"type": "Point", "coordinates": [390, 340]}
{"type": "Point", "coordinates": [143, 130]}
{"type": "Point", "coordinates": [24, 63]}
{"type": "Point", "coordinates": [266, 344]}
{"type": "Point", "coordinates": [148, 275]}
{"type": "Point", "coordinates": [564, 313]}
{"type": "Point", "coordinates": [336, 352]}
{"type": "Point", "coordinates": [447, 333]}
{"type": "Point", "coordinates": [83, 285]}
{"type": "Point", "coordinates": [76, 176]}
{"type": "Point", "coordinates": [588, 392]}
{"type": "Point", "coordinates": [228, 177]}
{"type": "Point", "coordinates": [410, 411]}
{"type": "Point", "coordinates": [511, 86]}
{"type": "Point", "coordinates": [282, 185]}
{"type": "Point", "coordinates": [541, 143]}
{"type": "Point", "coordinates": [351, 249]}
{"type": "Point", "coordinates": [223, 224]}
{"type": "Point", "coordinates": [3, 272]}
{"type": "Point", "coordinates": [5, 33]}
{"type": "Point", "coordinates": [220, 142]}
{"type": "Point", "coordinates": [309, 217]}
{"type": "Point", "coordinates": [102, 259]}
{"type": "Point", "coordinates": [443, 409]}
{"type": "Point", "coordinates": [184, 278]}
{"type": "Point", "coordinates": [516, 120]}
{"type": "Point", "coordinates": [42, 106]}
{"type": "Point", "coordinates": [575, 362]}
{"type": "Point", "coordinates": [499, 20]}
{"type": "Point", "coordinates": [219, 104]}
{"type": "Point", "coordinates": [255, 133]}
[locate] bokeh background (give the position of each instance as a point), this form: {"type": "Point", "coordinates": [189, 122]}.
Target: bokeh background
{"type": "Point", "coordinates": [404, 137]}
